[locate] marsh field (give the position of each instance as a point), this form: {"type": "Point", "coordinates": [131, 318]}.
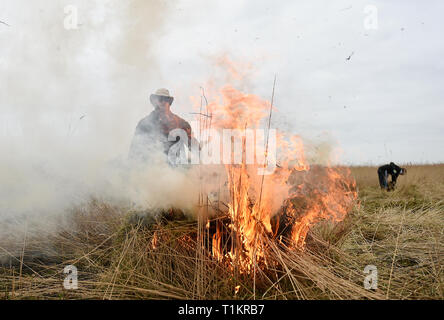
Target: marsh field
{"type": "Point", "coordinates": [118, 257]}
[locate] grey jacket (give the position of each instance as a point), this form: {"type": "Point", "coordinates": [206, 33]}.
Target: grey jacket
{"type": "Point", "coordinates": [152, 134]}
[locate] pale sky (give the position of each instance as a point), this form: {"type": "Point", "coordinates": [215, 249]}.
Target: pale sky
{"type": "Point", "coordinates": [383, 104]}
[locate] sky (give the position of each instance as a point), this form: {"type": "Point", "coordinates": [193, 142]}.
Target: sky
{"type": "Point", "coordinates": [83, 90]}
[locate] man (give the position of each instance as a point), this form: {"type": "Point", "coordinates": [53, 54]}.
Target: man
{"type": "Point", "coordinates": [389, 169]}
{"type": "Point", "coordinates": [152, 131]}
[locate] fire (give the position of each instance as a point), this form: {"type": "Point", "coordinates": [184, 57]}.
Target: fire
{"type": "Point", "coordinates": [281, 206]}
{"type": "Point", "coordinates": [236, 289]}
{"type": "Point", "coordinates": [154, 241]}
{"type": "Point", "coordinates": [334, 196]}
{"type": "Point", "coordinates": [216, 245]}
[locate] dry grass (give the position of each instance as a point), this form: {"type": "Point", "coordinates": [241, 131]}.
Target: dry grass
{"type": "Point", "coordinates": [119, 257]}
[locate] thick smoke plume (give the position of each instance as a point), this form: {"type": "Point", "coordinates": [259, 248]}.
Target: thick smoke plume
{"type": "Point", "coordinates": [69, 102]}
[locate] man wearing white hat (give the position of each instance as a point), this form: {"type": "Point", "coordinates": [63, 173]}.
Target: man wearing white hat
{"type": "Point", "coordinates": [153, 130]}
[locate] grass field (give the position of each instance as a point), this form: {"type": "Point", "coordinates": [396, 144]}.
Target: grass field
{"type": "Point", "coordinates": [117, 257]}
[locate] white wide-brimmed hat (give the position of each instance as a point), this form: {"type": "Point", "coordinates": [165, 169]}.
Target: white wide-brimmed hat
{"type": "Point", "coordinates": [162, 92]}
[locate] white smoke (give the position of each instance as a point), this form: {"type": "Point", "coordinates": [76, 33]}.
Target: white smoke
{"type": "Point", "coordinates": [69, 103]}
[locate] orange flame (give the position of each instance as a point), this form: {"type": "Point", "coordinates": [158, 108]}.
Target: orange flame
{"type": "Point", "coordinates": [296, 192]}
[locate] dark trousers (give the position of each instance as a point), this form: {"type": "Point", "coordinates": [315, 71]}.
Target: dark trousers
{"type": "Point", "coordinates": [383, 175]}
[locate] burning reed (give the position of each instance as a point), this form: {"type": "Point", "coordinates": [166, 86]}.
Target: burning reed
{"type": "Point", "coordinates": [281, 204]}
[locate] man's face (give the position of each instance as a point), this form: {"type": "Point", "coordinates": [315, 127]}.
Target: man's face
{"type": "Point", "coordinates": [162, 103]}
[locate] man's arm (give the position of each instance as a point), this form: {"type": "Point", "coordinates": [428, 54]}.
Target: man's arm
{"type": "Point", "coordinates": [186, 126]}
{"type": "Point", "coordinates": [140, 140]}
{"type": "Point", "coordinates": [396, 171]}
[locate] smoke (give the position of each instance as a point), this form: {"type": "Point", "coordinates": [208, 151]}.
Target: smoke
{"type": "Point", "coordinates": [69, 102]}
